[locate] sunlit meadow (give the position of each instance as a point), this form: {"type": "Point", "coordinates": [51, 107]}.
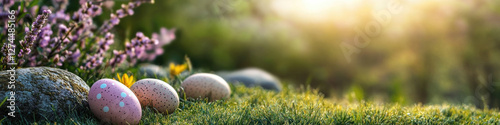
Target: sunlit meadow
{"type": "Point", "coordinates": [336, 61]}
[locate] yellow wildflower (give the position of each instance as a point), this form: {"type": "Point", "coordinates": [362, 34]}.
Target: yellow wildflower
{"type": "Point", "coordinates": [176, 69]}
{"type": "Point", "coordinates": [125, 79]}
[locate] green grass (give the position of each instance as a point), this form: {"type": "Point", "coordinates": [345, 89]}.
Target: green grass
{"type": "Point", "coordinates": [257, 106]}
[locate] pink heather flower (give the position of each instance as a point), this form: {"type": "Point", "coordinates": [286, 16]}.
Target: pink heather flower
{"type": "Point", "coordinates": [44, 41]}
{"type": "Point", "coordinates": [41, 46]}
{"type": "Point", "coordinates": [165, 37]}
{"type": "Point", "coordinates": [121, 13]}
{"type": "Point", "coordinates": [75, 56]}
{"type": "Point", "coordinates": [7, 3]}
{"type": "Point", "coordinates": [95, 10]}
{"type": "Point", "coordinates": [44, 36]}
{"type": "Point", "coordinates": [109, 4]}
{"type": "Point", "coordinates": [57, 60]}
{"type": "Point", "coordinates": [32, 34]}
{"type": "Point", "coordinates": [59, 15]}
{"type": "Point", "coordinates": [82, 2]}
{"type": "Point", "coordinates": [114, 19]}
{"type": "Point", "coordinates": [62, 30]}
{"type": "Point", "coordinates": [61, 4]}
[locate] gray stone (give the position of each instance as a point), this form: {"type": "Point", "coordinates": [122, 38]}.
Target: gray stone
{"type": "Point", "coordinates": [152, 71]}
{"type": "Point", "coordinates": [252, 77]}
{"type": "Point", "coordinates": [44, 93]}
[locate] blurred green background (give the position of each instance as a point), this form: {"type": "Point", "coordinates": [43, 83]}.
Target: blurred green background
{"type": "Point", "coordinates": [431, 52]}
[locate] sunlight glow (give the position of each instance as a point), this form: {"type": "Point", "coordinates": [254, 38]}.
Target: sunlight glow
{"type": "Point", "coordinates": [316, 6]}
{"type": "Point", "coordinates": [312, 9]}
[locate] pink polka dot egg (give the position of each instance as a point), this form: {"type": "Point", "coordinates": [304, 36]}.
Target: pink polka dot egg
{"type": "Point", "coordinates": [113, 102]}
{"type": "Point", "coordinates": [157, 94]}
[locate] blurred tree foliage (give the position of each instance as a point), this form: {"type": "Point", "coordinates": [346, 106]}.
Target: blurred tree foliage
{"type": "Point", "coordinates": [433, 51]}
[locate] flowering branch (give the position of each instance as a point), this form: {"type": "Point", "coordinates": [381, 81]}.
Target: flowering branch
{"type": "Point", "coordinates": [27, 43]}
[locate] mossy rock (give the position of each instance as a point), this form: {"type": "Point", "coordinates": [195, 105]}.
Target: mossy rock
{"type": "Point", "coordinates": [252, 77]}
{"type": "Point", "coordinates": [44, 93]}
{"type": "Point", "coordinates": [152, 71]}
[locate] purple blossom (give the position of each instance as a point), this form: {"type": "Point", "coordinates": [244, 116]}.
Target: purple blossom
{"type": "Point", "coordinates": [114, 20]}
{"type": "Point", "coordinates": [88, 10]}
{"type": "Point", "coordinates": [62, 30]}
{"type": "Point", "coordinates": [59, 15]}
{"type": "Point", "coordinates": [165, 37]}
{"type": "Point", "coordinates": [44, 36]}
{"type": "Point", "coordinates": [44, 41]}
{"type": "Point", "coordinates": [44, 46]}
{"type": "Point", "coordinates": [84, 17]}
{"type": "Point", "coordinates": [94, 10]}
{"type": "Point", "coordinates": [31, 35]}
{"type": "Point", "coordinates": [125, 10]}
{"type": "Point", "coordinates": [60, 4]}
{"type": "Point", "coordinates": [72, 56]}
{"type": "Point", "coordinates": [104, 43]}
{"type": "Point", "coordinates": [139, 44]}
{"type": "Point", "coordinates": [138, 47]}
{"type": "Point", "coordinates": [32, 63]}
{"type": "Point", "coordinates": [57, 60]}
{"type": "Point", "coordinates": [82, 2]}
{"type": "Point", "coordinates": [34, 9]}
{"type": "Point", "coordinates": [135, 49]}
{"type": "Point", "coordinates": [118, 58]}
{"type": "Point", "coordinates": [7, 3]}
{"type": "Point", "coordinates": [121, 13]}
{"type": "Point", "coordinates": [76, 55]}
{"type": "Point", "coordinates": [97, 59]}
{"type": "Point", "coordinates": [5, 51]}
{"type": "Point", "coordinates": [109, 4]}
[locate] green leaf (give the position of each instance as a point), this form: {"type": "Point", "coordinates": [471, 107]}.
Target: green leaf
{"type": "Point", "coordinates": [37, 2]}
{"type": "Point", "coordinates": [1, 104]}
{"type": "Point", "coordinates": [3, 119]}
{"type": "Point", "coordinates": [21, 11]}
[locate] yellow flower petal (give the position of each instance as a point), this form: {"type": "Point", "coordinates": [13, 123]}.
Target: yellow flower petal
{"type": "Point", "coordinates": [131, 81]}
{"type": "Point", "coordinates": [131, 78]}
{"type": "Point", "coordinates": [182, 68]}
{"type": "Point", "coordinates": [118, 75]}
{"type": "Point", "coordinates": [125, 78]}
{"type": "Point", "coordinates": [177, 69]}
{"type": "Point", "coordinates": [172, 66]}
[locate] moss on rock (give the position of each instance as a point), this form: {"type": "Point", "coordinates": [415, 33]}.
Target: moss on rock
{"type": "Point", "coordinates": [44, 92]}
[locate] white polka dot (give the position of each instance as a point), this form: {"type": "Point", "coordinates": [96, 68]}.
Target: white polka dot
{"type": "Point", "coordinates": [105, 109]}
{"type": "Point", "coordinates": [124, 95]}
{"type": "Point", "coordinates": [122, 104]}
{"type": "Point", "coordinates": [99, 96]}
{"type": "Point", "coordinates": [103, 86]}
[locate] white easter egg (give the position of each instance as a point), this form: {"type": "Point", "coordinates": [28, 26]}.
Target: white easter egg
{"type": "Point", "coordinates": [157, 94]}
{"type": "Point", "coordinates": [206, 85]}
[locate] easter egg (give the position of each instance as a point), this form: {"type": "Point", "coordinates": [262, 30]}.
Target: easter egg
{"type": "Point", "coordinates": [111, 101]}
{"type": "Point", "coordinates": [206, 85]}
{"type": "Point", "coordinates": [157, 94]}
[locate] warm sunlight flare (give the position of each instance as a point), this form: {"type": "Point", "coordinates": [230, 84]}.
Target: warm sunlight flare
{"type": "Point", "coordinates": [316, 6]}
{"type": "Point", "coordinates": [311, 9]}
{"type": "Point", "coordinates": [326, 10]}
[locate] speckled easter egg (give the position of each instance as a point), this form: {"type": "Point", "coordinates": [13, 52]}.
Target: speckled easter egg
{"type": "Point", "coordinates": [111, 101]}
{"type": "Point", "coordinates": [157, 94]}
{"type": "Point", "coordinates": [206, 85]}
